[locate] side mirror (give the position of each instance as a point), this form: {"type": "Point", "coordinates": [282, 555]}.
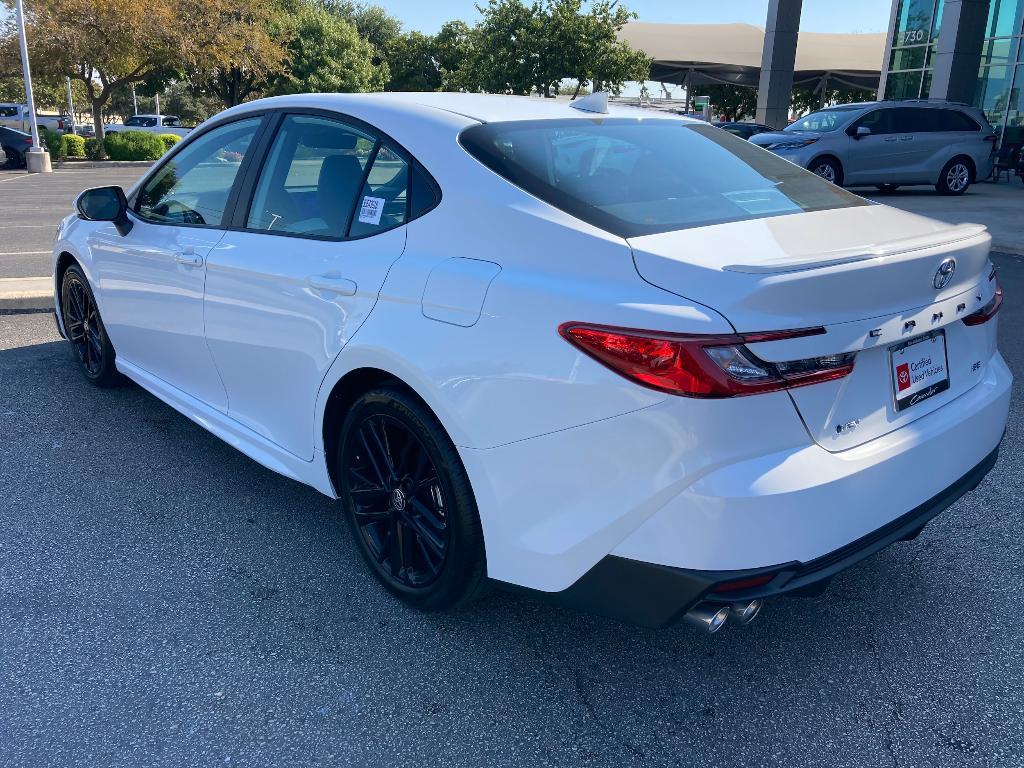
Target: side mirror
{"type": "Point", "coordinates": [105, 204]}
{"type": "Point", "coordinates": [861, 132]}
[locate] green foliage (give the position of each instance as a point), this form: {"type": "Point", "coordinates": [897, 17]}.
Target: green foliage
{"type": "Point", "coordinates": [730, 102]}
{"type": "Point", "coordinates": [518, 48]}
{"type": "Point", "coordinates": [133, 145]}
{"type": "Point", "coordinates": [807, 100]}
{"type": "Point", "coordinates": [412, 65]}
{"type": "Point", "coordinates": [169, 139]}
{"type": "Point", "coordinates": [326, 54]}
{"type": "Point", "coordinates": [92, 148]}
{"type": "Point", "coordinates": [54, 143]}
{"type": "Point", "coordinates": [74, 146]}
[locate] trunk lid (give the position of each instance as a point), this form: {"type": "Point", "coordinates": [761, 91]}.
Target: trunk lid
{"type": "Point", "coordinates": [866, 274]}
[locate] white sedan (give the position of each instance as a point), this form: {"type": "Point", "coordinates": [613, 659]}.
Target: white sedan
{"type": "Point", "coordinates": [620, 358]}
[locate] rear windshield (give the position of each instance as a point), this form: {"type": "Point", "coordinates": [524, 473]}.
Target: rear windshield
{"type": "Point", "coordinates": [636, 177]}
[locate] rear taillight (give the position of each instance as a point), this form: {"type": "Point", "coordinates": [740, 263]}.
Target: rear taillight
{"type": "Point", "coordinates": [703, 366]}
{"type": "Point", "coordinates": [987, 312]}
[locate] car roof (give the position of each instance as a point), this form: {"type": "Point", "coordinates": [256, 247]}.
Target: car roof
{"type": "Point", "coordinates": [14, 130]}
{"type": "Point", "coordinates": [480, 107]}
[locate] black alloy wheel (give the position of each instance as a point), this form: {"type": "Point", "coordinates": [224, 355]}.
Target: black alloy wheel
{"type": "Point", "coordinates": [409, 502]}
{"type": "Point", "coordinates": [84, 328]}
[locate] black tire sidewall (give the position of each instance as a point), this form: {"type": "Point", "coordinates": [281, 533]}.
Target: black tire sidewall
{"type": "Point", "coordinates": [107, 376]}
{"type": "Point", "coordinates": [463, 572]}
{"type": "Point", "coordinates": [833, 165]}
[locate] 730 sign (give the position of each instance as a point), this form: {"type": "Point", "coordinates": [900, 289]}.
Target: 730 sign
{"type": "Point", "coordinates": [913, 36]}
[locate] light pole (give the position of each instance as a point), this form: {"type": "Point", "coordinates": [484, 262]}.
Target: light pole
{"type": "Point", "coordinates": [37, 160]}
{"type": "Point", "coordinates": [71, 105]}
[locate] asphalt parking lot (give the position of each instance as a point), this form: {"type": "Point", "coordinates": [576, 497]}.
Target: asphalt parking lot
{"type": "Point", "coordinates": [32, 204]}
{"type": "Point", "coordinates": [166, 601]}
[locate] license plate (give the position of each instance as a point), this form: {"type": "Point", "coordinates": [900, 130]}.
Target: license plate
{"type": "Point", "coordinates": [919, 369]}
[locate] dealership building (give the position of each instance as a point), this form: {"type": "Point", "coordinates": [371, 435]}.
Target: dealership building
{"type": "Point", "coordinates": [961, 50]}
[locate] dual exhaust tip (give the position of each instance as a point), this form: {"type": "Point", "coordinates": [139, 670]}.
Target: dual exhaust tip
{"type": "Point", "coordinates": [712, 618]}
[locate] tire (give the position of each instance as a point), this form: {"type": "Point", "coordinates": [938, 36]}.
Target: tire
{"type": "Point", "coordinates": [956, 177]}
{"type": "Point", "coordinates": [887, 187]}
{"type": "Point", "coordinates": [12, 159]}
{"type": "Point", "coordinates": [402, 483]}
{"type": "Point", "coordinates": [83, 326]}
{"type": "Point", "coordinates": [828, 169]}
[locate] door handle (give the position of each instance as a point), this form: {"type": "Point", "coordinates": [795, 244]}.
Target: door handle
{"type": "Point", "coordinates": [891, 138]}
{"type": "Point", "coordinates": [339, 285]}
{"type": "Point", "coordinates": [188, 256]}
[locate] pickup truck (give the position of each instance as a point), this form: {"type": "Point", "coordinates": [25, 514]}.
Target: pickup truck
{"type": "Point", "coordinates": [149, 124]}
{"type": "Point", "coordinates": [16, 116]}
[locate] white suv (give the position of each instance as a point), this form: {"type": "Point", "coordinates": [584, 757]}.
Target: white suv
{"type": "Point", "coordinates": [890, 144]}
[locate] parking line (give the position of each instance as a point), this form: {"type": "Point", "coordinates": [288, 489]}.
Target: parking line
{"type": "Point", "coordinates": [23, 253]}
{"type": "Point", "coordinates": [27, 226]}
{"type": "Point", "coordinates": [3, 181]}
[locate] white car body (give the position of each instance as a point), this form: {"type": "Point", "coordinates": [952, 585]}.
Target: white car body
{"type": "Point", "coordinates": [579, 473]}
{"type": "Point", "coordinates": [150, 124]}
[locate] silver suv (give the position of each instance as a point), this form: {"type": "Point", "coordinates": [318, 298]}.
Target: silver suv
{"type": "Point", "coordinates": [888, 144]}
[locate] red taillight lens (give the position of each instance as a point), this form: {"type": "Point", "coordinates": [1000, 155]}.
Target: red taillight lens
{"type": "Point", "coordinates": [987, 312]}
{"type": "Point", "coordinates": [749, 583]}
{"type": "Point", "coordinates": [702, 366]}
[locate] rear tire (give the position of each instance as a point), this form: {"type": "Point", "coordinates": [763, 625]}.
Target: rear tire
{"type": "Point", "coordinates": [409, 502]}
{"type": "Point", "coordinates": [828, 169]}
{"type": "Point", "coordinates": [84, 328]}
{"type": "Point", "coordinates": [956, 177]}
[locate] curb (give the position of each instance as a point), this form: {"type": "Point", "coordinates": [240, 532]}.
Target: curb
{"type": "Point", "coordinates": [26, 293]}
{"type": "Point", "coordinates": [103, 164]}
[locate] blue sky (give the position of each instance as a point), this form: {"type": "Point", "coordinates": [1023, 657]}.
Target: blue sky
{"type": "Point", "coordinates": [817, 16]}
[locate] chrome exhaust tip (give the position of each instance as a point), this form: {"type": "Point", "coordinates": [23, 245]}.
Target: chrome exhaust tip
{"type": "Point", "coordinates": [745, 613]}
{"type": "Point", "coordinates": [710, 618]}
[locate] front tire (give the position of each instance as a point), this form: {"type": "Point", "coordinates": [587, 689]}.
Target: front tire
{"type": "Point", "coordinates": [409, 502]}
{"type": "Point", "coordinates": [955, 178]}
{"type": "Point", "coordinates": [84, 328]}
{"type": "Point", "coordinates": [828, 169]}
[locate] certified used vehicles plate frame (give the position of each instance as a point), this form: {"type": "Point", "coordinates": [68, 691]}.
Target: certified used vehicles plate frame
{"type": "Point", "coordinates": [903, 368]}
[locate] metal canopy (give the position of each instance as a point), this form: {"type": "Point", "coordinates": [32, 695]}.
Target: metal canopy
{"type": "Point", "coordinates": [704, 54]}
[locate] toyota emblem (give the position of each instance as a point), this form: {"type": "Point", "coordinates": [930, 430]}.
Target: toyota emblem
{"type": "Point", "coordinates": [944, 274]}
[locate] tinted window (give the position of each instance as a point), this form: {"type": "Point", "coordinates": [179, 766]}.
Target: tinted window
{"type": "Point", "coordinates": [879, 121]}
{"type": "Point", "coordinates": [311, 178]}
{"type": "Point", "coordinates": [425, 194]}
{"type": "Point", "coordinates": [636, 177]}
{"type": "Point", "coordinates": [10, 111]}
{"type": "Point", "coordinates": [383, 202]}
{"type": "Point", "coordinates": [140, 122]}
{"type": "Point", "coordinates": [823, 122]}
{"type": "Point", "coordinates": [193, 187]}
{"type": "Point", "coordinates": [171, 121]}
{"type": "Point", "coordinates": [912, 119]}
{"type": "Point", "coordinates": [953, 120]}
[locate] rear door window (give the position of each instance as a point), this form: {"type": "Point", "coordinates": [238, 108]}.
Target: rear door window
{"type": "Point", "coordinates": [637, 177]}
{"type": "Point", "coordinates": [383, 202]}
{"type": "Point", "coordinates": [954, 120]}
{"type": "Point", "coordinates": [312, 176]}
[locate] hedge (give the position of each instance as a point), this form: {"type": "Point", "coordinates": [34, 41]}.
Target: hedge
{"type": "Point", "coordinates": [92, 148]}
{"type": "Point", "coordinates": [54, 143]}
{"type": "Point", "coordinates": [74, 146]}
{"type": "Point", "coordinates": [133, 145]}
{"type": "Point", "coordinates": [169, 139]}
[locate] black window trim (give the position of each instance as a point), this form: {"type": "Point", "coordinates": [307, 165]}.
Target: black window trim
{"type": "Point", "coordinates": [247, 190]}
{"type": "Point", "coordinates": [184, 144]}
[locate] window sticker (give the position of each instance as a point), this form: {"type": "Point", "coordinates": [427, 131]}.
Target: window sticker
{"type": "Point", "coordinates": [370, 210]}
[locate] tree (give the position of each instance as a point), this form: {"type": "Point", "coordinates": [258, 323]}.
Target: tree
{"type": "Point", "coordinates": [326, 54]}
{"type": "Point", "coordinates": [249, 49]}
{"type": "Point", "coordinates": [732, 102]}
{"type": "Point", "coordinates": [522, 48]}
{"type": "Point", "coordinates": [808, 100]}
{"type": "Point", "coordinates": [412, 63]}
{"type": "Point", "coordinates": [111, 44]}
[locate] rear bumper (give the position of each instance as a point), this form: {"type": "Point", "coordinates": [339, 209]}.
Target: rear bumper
{"type": "Point", "coordinates": [658, 595]}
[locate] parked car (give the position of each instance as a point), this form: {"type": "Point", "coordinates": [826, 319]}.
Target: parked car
{"type": "Point", "coordinates": [743, 130]}
{"type": "Point", "coordinates": [531, 342]}
{"type": "Point", "coordinates": [17, 116]}
{"type": "Point", "coordinates": [15, 144]}
{"type": "Point", "coordinates": [890, 144]}
{"type": "Point", "coordinates": [149, 124]}
{"type": "Point", "coordinates": [3, 158]}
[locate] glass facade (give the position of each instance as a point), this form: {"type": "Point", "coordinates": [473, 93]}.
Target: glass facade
{"type": "Point", "coordinates": [1000, 74]}
{"type": "Point", "coordinates": [913, 47]}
